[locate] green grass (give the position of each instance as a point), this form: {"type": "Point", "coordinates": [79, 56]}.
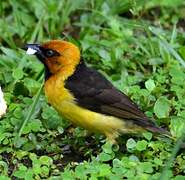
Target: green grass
{"type": "Point", "coordinates": [139, 45]}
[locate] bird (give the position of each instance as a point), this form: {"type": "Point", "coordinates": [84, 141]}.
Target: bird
{"type": "Point", "coordinates": [84, 96]}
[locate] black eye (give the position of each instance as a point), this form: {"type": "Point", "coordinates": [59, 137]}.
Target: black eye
{"type": "Point", "coordinates": [50, 53]}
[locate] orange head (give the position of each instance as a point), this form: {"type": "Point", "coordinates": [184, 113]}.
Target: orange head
{"type": "Point", "coordinates": [55, 54]}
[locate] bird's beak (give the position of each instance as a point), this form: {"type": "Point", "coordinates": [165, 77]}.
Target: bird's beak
{"type": "Point", "coordinates": [35, 49]}
{"type": "Point", "coordinates": [32, 48]}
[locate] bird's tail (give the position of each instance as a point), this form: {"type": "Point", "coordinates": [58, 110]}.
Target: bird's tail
{"type": "Point", "coordinates": [161, 132]}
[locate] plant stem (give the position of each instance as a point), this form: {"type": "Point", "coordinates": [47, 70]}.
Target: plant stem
{"type": "Point", "coordinates": [30, 112]}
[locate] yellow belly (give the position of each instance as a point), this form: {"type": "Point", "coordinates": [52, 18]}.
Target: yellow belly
{"type": "Point", "coordinates": [63, 101]}
{"type": "Point", "coordinates": [90, 120]}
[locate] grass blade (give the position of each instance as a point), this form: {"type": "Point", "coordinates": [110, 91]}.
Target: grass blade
{"type": "Point", "coordinates": [30, 112]}
{"type": "Point", "coordinates": [172, 51]}
{"type": "Point", "coordinates": [167, 46]}
{"type": "Point", "coordinates": [175, 150]}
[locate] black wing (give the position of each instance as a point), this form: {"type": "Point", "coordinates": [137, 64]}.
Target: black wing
{"type": "Point", "coordinates": [94, 92]}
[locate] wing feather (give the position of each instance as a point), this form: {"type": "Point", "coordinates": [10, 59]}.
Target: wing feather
{"type": "Point", "coordinates": [94, 92]}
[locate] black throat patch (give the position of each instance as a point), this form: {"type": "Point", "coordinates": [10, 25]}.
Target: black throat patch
{"type": "Point", "coordinates": [47, 73]}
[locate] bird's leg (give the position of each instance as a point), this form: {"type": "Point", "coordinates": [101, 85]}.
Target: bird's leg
{"type": "Point", "coordinates": [111, 137]}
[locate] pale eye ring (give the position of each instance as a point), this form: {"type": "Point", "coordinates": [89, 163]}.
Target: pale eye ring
{"type": "Point", "coordinates": [50, 53]}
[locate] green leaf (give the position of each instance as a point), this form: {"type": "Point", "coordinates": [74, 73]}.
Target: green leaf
{"type": "Point", "coordinates": [177, 126]}
{"type": "Point", "coordinates": [46, 160]}
{"type": "Point", "coordinates": [104, 54]}
{"type": "Point", "coordinates": [107, 148]}
{"type": "Point", "coordinates": [150, 85]}
{"type": "Point", "coordinates": [44, 171]}
{"type": "Point", "coordinates": [4, 167]}
{"type": "Point", "coordinates": [17, 73]}
{"type": "Point", "coordinates": [146, 167]}
{"type": "Point", "coordinates": [104, 170]}
{"type": "Point", "coordinates": [31, 111]}
{"type": "Point", "coordinates": [182, 51]}
{"type": "Point", "coordinates": [9, 52]}
{"type": "Point", "coordinates": [141, 145]}
{"type": "Point", "coordinates": [19, 141]}
{"type": "Point", "coordinates": [105, 157]}
{"type": "Point", "coordinates": [158, 161]}
{"type": "Point", "coordinates": [178, 76]}
{"type": "Point", "coordinates": [147, 135]}
{"type": "Point", "coordinates": [21, 172]}
{"type": "Point", "coordinates": [4, 177]}
{"type": "Point", "coordinates": [131, 143]}
{"type": "Point", "coordinates": [35, 125]}
{"type": "Point", "coordinates": [68, 175]}
{"type": "Point", "coordinates": [60, 129]}
{"type": "Point", "coordinates": [179, 177]}
{"type": "Point", "coordinates": [162, 107]}
{"type": "Point", "coordinates": [133, 158]}
{"type": "Point", "coordinates": [116, 163]}
{"type": "Point", "coordinates": [32, 85]}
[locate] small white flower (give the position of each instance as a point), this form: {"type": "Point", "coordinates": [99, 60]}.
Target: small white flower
{"type": "Point", "coordinates": [30, 51]}
{"type": "Point", "coordinates": [3, 105]}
